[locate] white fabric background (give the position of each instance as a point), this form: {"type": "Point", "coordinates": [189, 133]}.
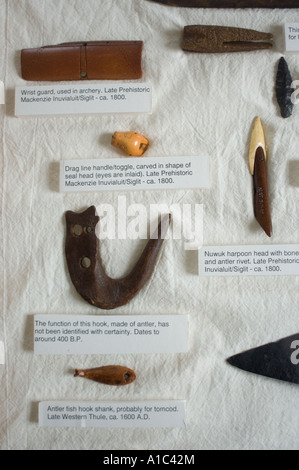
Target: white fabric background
{"type": "Point", "coordinates": [203, 105]}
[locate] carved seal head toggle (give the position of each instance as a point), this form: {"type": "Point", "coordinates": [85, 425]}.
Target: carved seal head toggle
{"type": "Point", "coordinates": [130, 143]}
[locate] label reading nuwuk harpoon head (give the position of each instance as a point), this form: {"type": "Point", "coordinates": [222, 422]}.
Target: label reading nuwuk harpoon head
{"type": "Point", "coordinates": [244, 260]}
{"type": "Point", "coordinates": [85, 98]}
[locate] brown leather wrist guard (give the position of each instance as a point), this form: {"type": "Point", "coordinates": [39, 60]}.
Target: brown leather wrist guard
{"type": "Point", "coordinates": [99, 60]}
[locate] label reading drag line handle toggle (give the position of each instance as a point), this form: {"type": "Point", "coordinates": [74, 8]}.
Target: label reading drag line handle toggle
{"type": "Point", "coordinates": [131, 173]}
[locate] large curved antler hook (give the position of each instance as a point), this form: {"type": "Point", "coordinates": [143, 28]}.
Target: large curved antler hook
{"type": "Point", "coordinates": [85, 264]}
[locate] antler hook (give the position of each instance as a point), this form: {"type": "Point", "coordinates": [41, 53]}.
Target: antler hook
{"type": "Point", "coordinates": [86, 268]}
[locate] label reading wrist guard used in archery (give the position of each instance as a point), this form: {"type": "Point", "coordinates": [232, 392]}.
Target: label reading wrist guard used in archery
{"type": "Point", "coordinates": [85, 98]}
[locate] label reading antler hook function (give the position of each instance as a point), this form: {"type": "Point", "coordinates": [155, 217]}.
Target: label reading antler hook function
{"type": "Point", "coordinates": [81, 334]}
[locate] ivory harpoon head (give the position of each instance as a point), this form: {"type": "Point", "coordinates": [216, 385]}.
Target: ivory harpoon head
{"type": "Point", "coordinates": [257, 140]}
{"type": "Point", "coordinates": [258, 169]}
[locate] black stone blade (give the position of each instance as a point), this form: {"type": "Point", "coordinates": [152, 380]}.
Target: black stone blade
{"type": "Point", "coordinates": [278, 360]}
{"type": "Point", "coordinates": [284, 89]}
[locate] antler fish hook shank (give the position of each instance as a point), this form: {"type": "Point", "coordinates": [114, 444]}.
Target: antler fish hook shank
{"type": "Point", "coordinates": [85, 264]}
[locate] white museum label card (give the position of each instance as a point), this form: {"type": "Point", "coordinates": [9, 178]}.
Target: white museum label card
{"type": "Point", "coordinates": [113, 334]}
{"type": "Point", "coordinates": [145, 414]}
{"type": "Point", "coordinates": [291, 34]}
{"type": "Point", "coordinates": [134, 173]}
{"type": "Point", "coordinates": [85, 98]}
{"type": "Point", "coordinates": [255, 260]}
